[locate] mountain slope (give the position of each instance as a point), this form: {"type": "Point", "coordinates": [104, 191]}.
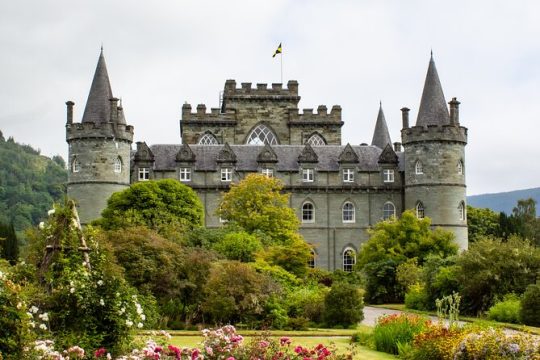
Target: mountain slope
{"type": "Point", "coordinates": [29, 183]}
{"type": "Point", "coordinates": [505, 201]}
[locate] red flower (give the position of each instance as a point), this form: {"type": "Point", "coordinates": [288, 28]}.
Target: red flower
{"type": "Point", "coordinates": [284, 341]}
{"type": "Point", "coordinates": [298, 349]}
{"type": "Point", "coordinates": [100, 352]}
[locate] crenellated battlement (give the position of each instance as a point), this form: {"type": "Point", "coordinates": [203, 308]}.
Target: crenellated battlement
{"type": "Point", "coordinates": [321, 116]}
{"type": "Point", "coordinates": [215, 114]}
{"type": "Point", "coordinates": [107, 130]}
{"type": "Point", "coordinates": [451, 133]}
{"type": "Point", "coordinates": [260, 90]}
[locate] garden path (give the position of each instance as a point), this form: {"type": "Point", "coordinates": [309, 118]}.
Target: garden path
{"type": "Point", "coordinates": [372, 313]}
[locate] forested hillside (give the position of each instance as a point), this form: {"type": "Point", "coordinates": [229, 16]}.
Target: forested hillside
{"type": "Point", "coordinates": [504, 201]}
{"type": "Point", "coordinates": [29, 183]}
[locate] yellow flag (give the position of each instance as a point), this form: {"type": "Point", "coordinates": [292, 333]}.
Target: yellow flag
{"type": "Point", "coordinates": [278, 50]}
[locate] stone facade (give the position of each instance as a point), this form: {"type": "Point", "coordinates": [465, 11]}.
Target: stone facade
{"type": "Point", "coordinates": [338, 191]}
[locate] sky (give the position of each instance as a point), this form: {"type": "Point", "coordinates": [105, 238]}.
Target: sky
{"type": "Point", "coordinates": [161, 54]}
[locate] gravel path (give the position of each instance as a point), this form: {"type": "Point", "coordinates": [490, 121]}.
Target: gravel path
{"type": "Point", "coordinates": [372, 313]}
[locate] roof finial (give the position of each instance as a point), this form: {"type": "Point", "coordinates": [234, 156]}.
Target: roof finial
{"type": "Point", "coordinates": [431, 53]}
{"type": "Point", "coordinates": [102, 47]}
{"type": "Point", "coordinates": [380, 103]}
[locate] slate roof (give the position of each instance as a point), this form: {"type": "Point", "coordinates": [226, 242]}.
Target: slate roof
{"type": "Point", "coordinates": [433, 110]}
{"type": "Point", "coordinates": [246, 156]}
{"type": "Point", "coordinates": [381, 136]}
{"type": "Point", "coordinates": [98, 108]}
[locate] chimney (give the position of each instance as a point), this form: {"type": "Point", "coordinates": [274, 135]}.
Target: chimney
{"type": "Point", "coordinates": [405, 117]}
{"type": "Point", "coordinates": [114, 109]}
{"type": "Point", "coordinates": [454, 111]}
{"type": "Point", "coordinates": [397, 147]}
{"type": "Point", "coordinates": [70, 112]}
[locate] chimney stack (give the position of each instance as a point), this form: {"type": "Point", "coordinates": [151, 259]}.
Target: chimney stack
{"type": "Point", "coordinates": [405, 117]}
{"type": "Point", "coordinates": [70, 112]}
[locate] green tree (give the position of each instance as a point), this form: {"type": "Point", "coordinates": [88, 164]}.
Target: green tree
{"type": "Point", "coordinates": [492, 268]}
{"type": "Point", "coordinates": [257, 205]}
{"type": "Point", "coordinates": [343, 305]}
{"type": "Point", "coordinates": [391, 244]}
{"type": "Point", "coordinates": [239, 246]}
{"type": "Point", "coordinates": [163, 205]}
{"type": "Point", "coordinates": [10, 243]}
{"type": "Point", "coordinates": [235, 292]}
{"type": "Point", "coordinates": [292, 257]}
{"type": "Point", "coordinates": [482, 222]}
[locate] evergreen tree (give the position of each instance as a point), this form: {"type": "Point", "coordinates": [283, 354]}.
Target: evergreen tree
{"type": "Point", "coordinates": [10, 244]}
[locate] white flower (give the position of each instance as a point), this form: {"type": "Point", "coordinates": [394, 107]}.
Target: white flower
{"type": "Point", "coordinates": [72, 290]}
{"type": "Point", "coordinates": [100, 282]}
{"type": "Point", "coordinates": [41, 225]}
{"type": "Point", "coordinates": [109, 356]}
{"type": "Point", "coordinates": [44, 317]}
{"type": "Point", "coordinates": [1, 275]}
{"type": "Point", "coordinates": [121, 311]}
{"type": "Point", "coordinates": [139, 308]}
{"type": "Point", "coordinates": [143, 317]}
{"type": "Point", "coordinates": [43, 327]}
{"type": "Point", "coordinates": [19, 305]}
{"type": "Point", "coordinates": [32, 324]}
{"type": "Point", "coordinates": [101, 302]}
{"type": "Point", "coordinates": [140, 325]}
{"type": "Point", "coordinates": [50, 212]}
{"type": "Point", "coordinates": [117, 294]}
{"type": "Point", "coordinates": [129, 323]}
{"type": "Point", "coordinates": [34, 309]}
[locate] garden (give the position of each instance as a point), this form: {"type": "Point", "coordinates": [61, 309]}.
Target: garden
{"type": "Point", "coordinates": [148, 263]}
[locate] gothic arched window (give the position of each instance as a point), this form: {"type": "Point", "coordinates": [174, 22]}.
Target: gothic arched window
{"type": "Point", "coordinates": [461, 210]}
{"type": "Point", "coordinates": [316, 140]}
{"type": "Point", "coordinates": [75, 165]}
{"type": "Point", "coordinates": [261, 135]}
{"type": "Point", "coordinates": [311, 261]}
{"type": "Point", "coordinates": [208, 139]}
{"type": "Point", "coordinates": [118, 165]}
{"type": "Point", "coordinates": [349, 259]}
{"type": "Point", "coordinates": [308, 212]}
{"type": "Point", "coordinates": [420, 210]}
{"type": "Point", "coordinates": [348, 212]}
{"type": "Point", "coordinates": [418, 167]}
{"type": "Point", "coordinates": [389, 210]}
{"type": "Point", "coordinates": [460, 167]}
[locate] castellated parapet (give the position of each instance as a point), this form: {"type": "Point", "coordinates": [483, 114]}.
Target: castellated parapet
{"type": "Point", "coordinates": [261, 91]}
{"type": "Point", "coordinates": [89, 130]}
{"type": "Point", "coordinates": [444, 133]}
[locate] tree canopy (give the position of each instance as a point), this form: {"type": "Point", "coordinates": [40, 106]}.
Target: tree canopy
{"type": "Point", "coordinates": [158, 205]}
{"type": "Point", "coordinates": [257, 205]}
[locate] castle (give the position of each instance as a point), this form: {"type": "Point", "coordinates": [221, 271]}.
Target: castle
{"type": "Point", "coordinates": [338, 191]}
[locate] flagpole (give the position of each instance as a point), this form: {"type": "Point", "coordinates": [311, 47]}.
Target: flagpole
{"type": "Point", "coordinates": [281, 58]}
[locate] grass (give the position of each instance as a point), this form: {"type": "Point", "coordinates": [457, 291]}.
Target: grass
{"type": "Point", "coordinates": [524, 328]}
{"type": "Point", "coordinates": [340, 338]}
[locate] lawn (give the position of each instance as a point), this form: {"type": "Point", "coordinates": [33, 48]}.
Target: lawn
{"type": "Point", "coordinates": [340, 338]}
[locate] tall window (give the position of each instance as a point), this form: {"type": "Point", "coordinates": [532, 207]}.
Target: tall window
{"type": "Point", "coordinates": [226, 174]}
{"type": "Point", "coordinates": [348, 212]}
{"type": "Point", "coordinates": [208, 139]}
{"type": "Point", "coordinates": [307, 175]}
{"type": "Point", "coordinates": [185, 174]}
{"type": "Point", "coordinates": [349, 260]}
{"type": "Point", "coordinates": [75, 165]}
{"type": "Point", "coordinates": [460, 167]}
{"type": "Point", "coordinates": [268, 172]}
{"type": "Point", "coordinates": [308, 212]}
{"type": "Point", "coordinates": [316, 140]}
{"type": "Point", "coordinates": [461, 210]}
{"type": "Point", "coordinates": [388, 175]}
{"type": "Point", "coordinates": [144, 174]}
{"type": "Point", "coordinates": [418, 168]}
{"type": "Point", "coordinates": [118, 165]}
{"type": "Point", "coordinates": [389, 211]}
{"type": "Point", "coordinates": [420, 210]}
{"type": "Point", "coordinates": [348, 175]}
{"type": "Point", "coordinates": [261, 135]}
{"type": "Point", "coordinates": [311, 261]}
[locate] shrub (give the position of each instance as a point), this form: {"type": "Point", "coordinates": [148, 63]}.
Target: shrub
{"type": "Point", "coordinates": [530, 305]}
{"type": "Point", "coordinates": [343, 305]}
{"type": "Point", "coordinates": [408, 273]}
{"type": "Point", "coordinates": [307, 302]}
{"type": "Point", "coordinates": [381, 284]}
{"type": "Point", "coordinates": [416, 298]}
{"type": "Point", "coordinates": [495, 344]}
{"type": "Point", "coordinates": [392, 330]}
{"type": "Point", "coordinates": [507, 310]}
{"type": "Point", "coordinates": [437, 342]}
{"type": "Point", "coordinates": [439, 276]}
{"type": "Point", "coordinates": [239, 246]}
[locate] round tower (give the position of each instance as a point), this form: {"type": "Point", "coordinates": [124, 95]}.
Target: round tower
{"type": "Point", "coordinates": [435, 160]}
{"type": "Point", "coordinates": [99, 148]}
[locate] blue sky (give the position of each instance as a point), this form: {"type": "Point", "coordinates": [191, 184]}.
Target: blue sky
{"type": "Point", "coordinates": [161, 54]}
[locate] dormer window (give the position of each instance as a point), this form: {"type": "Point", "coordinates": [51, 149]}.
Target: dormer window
{"type": "Point", "coordinates": [418, 168]}
{"type": "Point", "coordinates": [226, 174]}
{"type": "Point", "coordinates": [307, 175]}
{"type": "Point", "coordinates": [118, 165]}
{"type": "Point", "coordinates": [144, 174]}
{"type": "Point", "coordinates": [268, 172]}
{"type": "Point", "coordinates": [388, 175]}
{"type": "Point", "coordinates": [348, 175]}
{"type": "Point", "coordinates": [185, 174]}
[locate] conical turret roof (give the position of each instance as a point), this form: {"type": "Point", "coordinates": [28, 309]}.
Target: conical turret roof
{"type": "Point", "coordinates": [98, 108]}
{"type": "Point", "coordinates": [433, 110]}
{"type": "Point", "coordinates": [381, 136]}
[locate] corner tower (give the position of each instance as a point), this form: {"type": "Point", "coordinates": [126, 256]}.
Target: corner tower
{"type": "Point", "coordinates": [99, 148]}
{"type": "Point", "coordinates": [435, 160]}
